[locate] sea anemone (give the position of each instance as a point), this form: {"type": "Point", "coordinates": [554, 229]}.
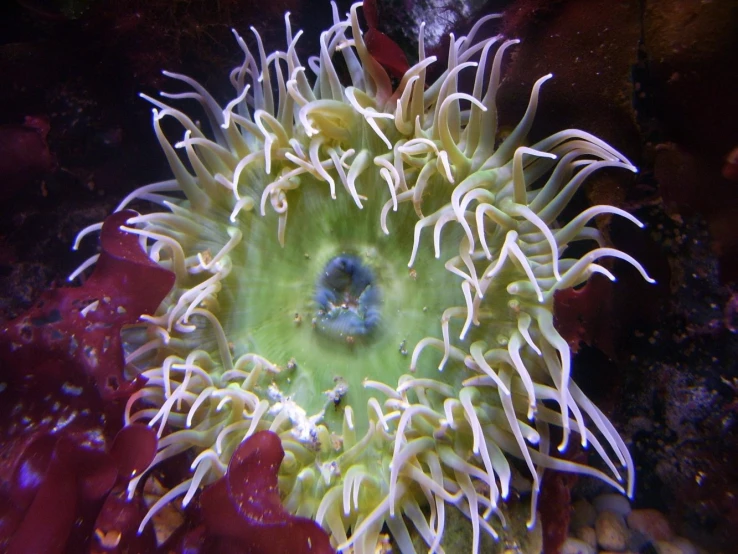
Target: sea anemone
{"type": "Point", "coordinates": [369, 271]}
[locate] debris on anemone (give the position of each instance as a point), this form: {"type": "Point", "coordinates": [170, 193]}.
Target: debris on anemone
{"type": "Point", "coordinates": [369, 272]}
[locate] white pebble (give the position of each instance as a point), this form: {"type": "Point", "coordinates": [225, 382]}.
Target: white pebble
{"type": "Point", "coordinates": [651, 523]}
{"type": "Point", "coordinates": [612, 534]}
{"type": "Point", "coordinates": [575, 546]}
{"type": "Point", "coordinates": [588, 535]}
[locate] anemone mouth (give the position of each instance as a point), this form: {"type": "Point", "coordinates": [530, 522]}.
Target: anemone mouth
{"type": "Point", "coordinates": [348, 300]}
{"type": "Point", "coordinates": [365, 272]}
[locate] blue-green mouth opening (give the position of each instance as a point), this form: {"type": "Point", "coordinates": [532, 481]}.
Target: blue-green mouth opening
{"type": "Point", "coordinates": [348, 300]}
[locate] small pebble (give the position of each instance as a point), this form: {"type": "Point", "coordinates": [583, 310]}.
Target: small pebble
{"type": "Point", "coordinates": [583, 514]}
{"type": "Point", "coordinates": [616, 503]}
{"type": "Point", "coordinates": [588, 535]}
{"type": "Point", "coordinates": [612, 534]}
{"type": "Point", "coordinates": [651, 523]}
{"type": "Point", "coordinates": [663, 547]}
{"type": "Point", "coordinates": [678, 545]}
{"type": "Point", "coordinates": [575, 546]}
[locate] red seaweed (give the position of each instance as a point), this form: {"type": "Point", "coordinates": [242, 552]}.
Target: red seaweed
{"type": "Point", "coordinates": [382, 48]}
{"type": "Point", "coordinates": [24, 154]}
{"type": "Point", "coordinates": [585, 315]}
{"type": "Point", "coordinates": [61, 405]}
{"type": "Point", "coordinates": [242, 513]}
{"type": "Point", "coordinates": [81, 326]}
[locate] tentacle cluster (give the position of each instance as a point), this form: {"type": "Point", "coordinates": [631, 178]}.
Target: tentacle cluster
{"type": "Point", "coordinates": [433, 437]}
